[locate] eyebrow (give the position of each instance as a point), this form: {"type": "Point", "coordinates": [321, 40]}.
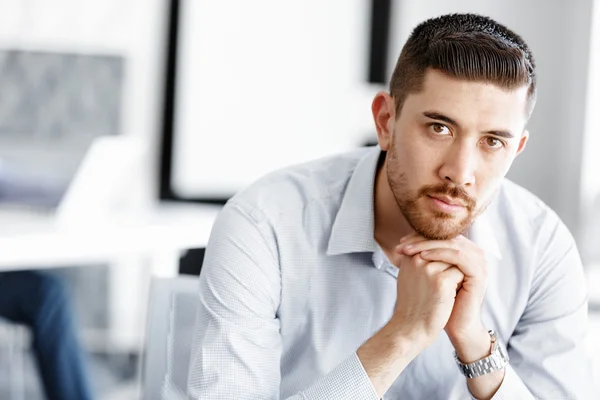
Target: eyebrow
{"type": "Point", "coordinates": [441, 117]}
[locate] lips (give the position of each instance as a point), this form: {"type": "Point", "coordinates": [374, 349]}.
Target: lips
{"type": "Point", "coordinates": [449, 200]}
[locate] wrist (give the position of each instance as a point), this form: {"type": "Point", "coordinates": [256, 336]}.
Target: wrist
{"type": "Point", "coordinates": [385, 355]}
{"type": "Point", "coordinates": [408, 337]}
{"type": "Point", "coordinates": [472, 346]}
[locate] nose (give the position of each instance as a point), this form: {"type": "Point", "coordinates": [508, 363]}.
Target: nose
{"type": "Point", "coordinates": [459, 165]}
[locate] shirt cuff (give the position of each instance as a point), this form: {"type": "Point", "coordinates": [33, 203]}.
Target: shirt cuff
{"type": "Point", "coordinates": [348, 380]}
{"type": "Point", "coordinates": [512, 387]}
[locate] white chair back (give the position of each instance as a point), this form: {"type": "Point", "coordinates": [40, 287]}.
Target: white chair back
{"type": "Point", "coordinates": [169, 337]}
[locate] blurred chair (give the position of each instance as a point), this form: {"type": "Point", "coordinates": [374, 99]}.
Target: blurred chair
{"type": "Point", "coordinates": [14, 341]}
{"type": "Point", "coordinates": [169, 335]}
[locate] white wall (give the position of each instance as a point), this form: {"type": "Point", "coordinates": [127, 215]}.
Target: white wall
{"type": "Point", "coordinates": [263, 84]}
{"type": "Point", "coordinates": [558, 33]}
{"type": "Point", "coordinates": [591, 144]}
{"type": "Point", "coordinates": [590, 188]}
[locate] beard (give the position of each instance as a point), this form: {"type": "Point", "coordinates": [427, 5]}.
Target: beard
{"type": "Point", "coordinates": [432, 225]}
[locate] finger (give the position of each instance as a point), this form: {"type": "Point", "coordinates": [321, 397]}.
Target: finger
{"type": "Point", "coordinates": [453, 273]}
{"type": "Point", "coordinates": [455, 276]}
{"type": "Point", "coordinates": [461, 259]}
{"type": "Point", "coordinates": [409, 242]}
{"type": "Point", "coordinates": [408, 237]}
{"type": "Point", "coordinates": [437, 267]}
{"type": "Point", "coordinates": [418, 261]}
{"type": "Point", "coordinates": [460, 242]}
{"type": "Point", "coordinates": [422, 245]}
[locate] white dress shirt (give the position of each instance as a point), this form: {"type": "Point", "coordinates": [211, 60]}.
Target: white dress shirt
{"type": "Point", "coordinates": [293, 283]}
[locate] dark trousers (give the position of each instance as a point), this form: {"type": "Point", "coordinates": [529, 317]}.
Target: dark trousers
{"type": "Point", "coordinates": [40, 301]}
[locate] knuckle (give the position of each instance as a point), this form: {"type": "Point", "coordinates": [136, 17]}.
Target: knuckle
{"type": "Point", "coordinates": [430, 270]}
{"type": "Point", "coordinates": [418, 260]}
{"type": "Point", "coordinates": [459, 254]}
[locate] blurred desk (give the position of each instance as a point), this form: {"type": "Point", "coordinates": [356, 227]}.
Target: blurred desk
{"type": "Point", "coordinates": [30, 240]}
{"type": "Point", "coordinates": [135, 245]}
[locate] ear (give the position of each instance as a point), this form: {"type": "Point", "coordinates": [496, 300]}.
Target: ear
{"type": "Point", "coordinates": [523, 142]}
{"type": "Point", "coordinates": [384, 115]}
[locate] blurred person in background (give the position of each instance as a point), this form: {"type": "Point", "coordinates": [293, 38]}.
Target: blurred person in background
{"type": "Point", "coordinates": [412, 270]}
{"type": "Point", "coordinates": [41, 302]}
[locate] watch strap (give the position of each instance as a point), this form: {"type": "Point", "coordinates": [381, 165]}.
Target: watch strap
{"type": "Point", "coordinates": [497, 360]}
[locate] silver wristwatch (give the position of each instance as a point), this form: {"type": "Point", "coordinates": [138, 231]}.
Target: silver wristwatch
{"type": "Point", "coordinates": [497, 360]}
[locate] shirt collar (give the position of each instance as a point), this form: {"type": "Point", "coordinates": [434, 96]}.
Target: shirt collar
{"type": "Point", "coordinates": [354, 225]}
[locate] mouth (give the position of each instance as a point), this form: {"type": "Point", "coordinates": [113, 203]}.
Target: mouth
{"type": "Point", "coordinates": [447, 204]}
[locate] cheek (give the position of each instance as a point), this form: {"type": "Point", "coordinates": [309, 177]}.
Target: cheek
{"type": "Point", "coordinates": [490, 179]}
{"type": "Point", "coordinates": [416, 156]}
{"type": "Point", "coordinates": [499, 167]}
{"type": "Point", "coordinates": [410, 169]}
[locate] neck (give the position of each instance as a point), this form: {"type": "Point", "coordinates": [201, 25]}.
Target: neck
{"type": "Point", "coordinates": [390, 224]}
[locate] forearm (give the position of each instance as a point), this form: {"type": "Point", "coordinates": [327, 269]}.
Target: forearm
{"type": "Point", "coordinates": [385, 355]}
{"type": "Point", "coordinates": [485, 387]}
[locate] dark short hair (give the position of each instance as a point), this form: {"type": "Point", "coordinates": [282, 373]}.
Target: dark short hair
{"type": "Point", "coordinates": [464, 46]}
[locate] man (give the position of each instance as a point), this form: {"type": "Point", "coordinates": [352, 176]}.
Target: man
{"type": "Point", "coordinates": [409, 271]}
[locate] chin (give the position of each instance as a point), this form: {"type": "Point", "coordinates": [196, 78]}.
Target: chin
{"type": "Point", "coordinates": [438, 233]}
{"type": "Point", "coordinates": [440, 226]}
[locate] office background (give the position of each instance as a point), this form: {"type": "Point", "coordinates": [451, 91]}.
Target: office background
{"type": "Point", "coordinates": [133, 111]}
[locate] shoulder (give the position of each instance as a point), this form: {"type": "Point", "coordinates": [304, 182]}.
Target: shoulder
{"type": "Point", "coordinates": [294, 188]}
{"type": "Point", "coordinates": [530, 219]}
{"type": "Point", "coordinates": [521, 201]}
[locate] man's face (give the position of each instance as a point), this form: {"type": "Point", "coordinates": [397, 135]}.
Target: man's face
{"type": "Point", "coordinates": [449, 149]}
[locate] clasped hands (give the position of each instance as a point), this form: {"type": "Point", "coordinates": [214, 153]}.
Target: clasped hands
{"type": "Point", "coordinates": [441, 285]}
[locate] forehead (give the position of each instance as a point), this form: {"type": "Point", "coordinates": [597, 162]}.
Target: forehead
{"type": "Point", "coordinates": [472, 104]}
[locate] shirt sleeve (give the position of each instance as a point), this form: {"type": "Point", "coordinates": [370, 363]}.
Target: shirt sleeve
{"type": "Point", "coordinates": [237, 344]}
{"type": "Point", "coordinates": [547, 354]}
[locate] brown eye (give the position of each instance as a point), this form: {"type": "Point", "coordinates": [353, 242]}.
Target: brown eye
{"type": "Point", "coordinates": [493, 143]}
{"type": "Point", "coordinates": [439, 129]}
